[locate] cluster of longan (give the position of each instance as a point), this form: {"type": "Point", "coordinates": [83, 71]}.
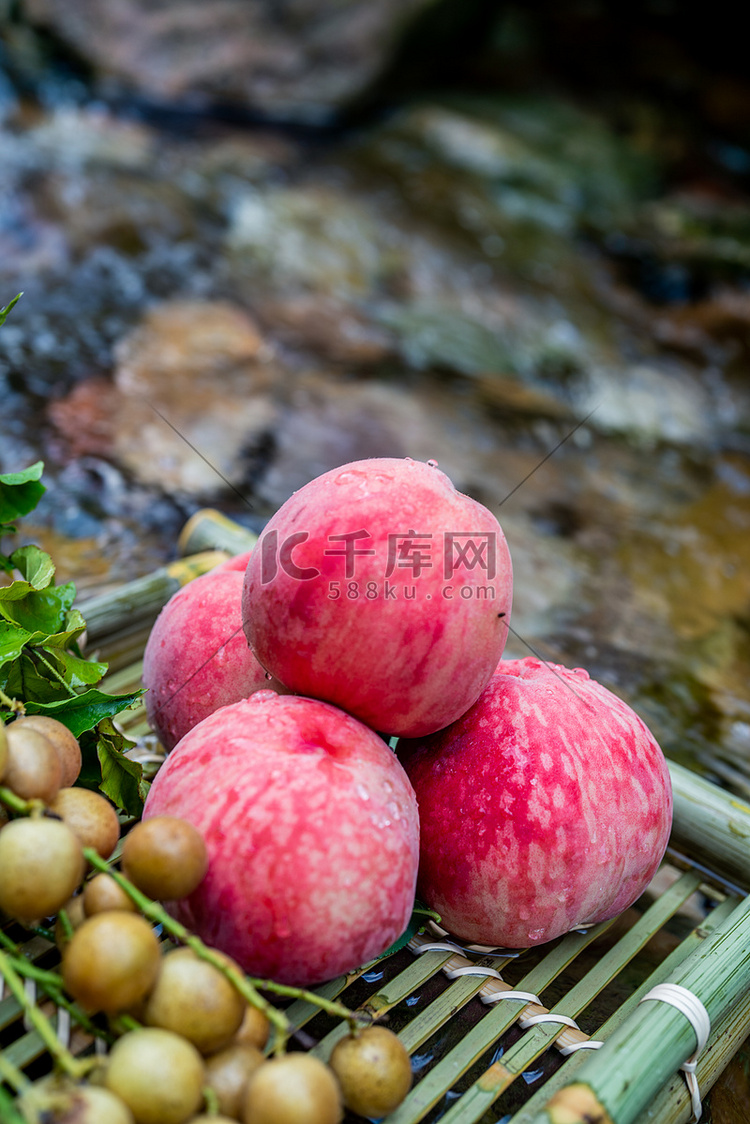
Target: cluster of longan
{"type": "Point", "coordinates": [188, 1042]}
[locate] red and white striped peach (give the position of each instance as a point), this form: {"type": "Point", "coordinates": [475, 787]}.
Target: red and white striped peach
{"type": "Point", "coordinates": [382, 589]}
{"type": "Point", "coordinates": [197, 658]}
{"type": "Point", "coordinates": [547, 806]}
{"type": "Point", "coordinates": [312, 833]}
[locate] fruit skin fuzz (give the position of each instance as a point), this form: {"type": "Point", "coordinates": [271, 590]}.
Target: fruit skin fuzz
{"type": "Point", "coordinates": [312, 833]}
{"type": "Point", "coordinates": [382, 589]}
{"type": "Point", "coordinates": [546, 807]}
{"type": "Point", "coordinates": [196, 658]}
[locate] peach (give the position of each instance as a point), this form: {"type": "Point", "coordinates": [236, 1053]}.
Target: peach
{"type": "Point", "coordinates": [382, 589]}
{"type": "Point", "coordinates": [197, 658]}
{"type": "Point", "coordinates": [312, 834]}
{"type": "Point", "coordinates": [546, 807]}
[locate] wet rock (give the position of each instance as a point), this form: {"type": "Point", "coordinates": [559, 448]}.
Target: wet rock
{"type": "Point", "coordinates": [443, 286]}
{"type": "Point", "coordinates": [326, 326]}
{"type": "Point", "coordinates": [316, 237]}
{"type": "Point", "coordinates": [648, 402]}
{"type": "Point", "coordinates": [79, 137]}
{"type": "Point", "coordinates": [519, 176]}
{"type": "Point", "coordinates": [87, 418]}
{"type": "Point", "coordinates": [124, 212]}
{"type": "Point", "coordinates": [300, 61]}
{"type": "Point", "coordinates": [190, 401]}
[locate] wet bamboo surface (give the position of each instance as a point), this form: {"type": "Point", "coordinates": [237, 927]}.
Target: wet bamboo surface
{"type": "Point", "coordinates": [474, 1062]}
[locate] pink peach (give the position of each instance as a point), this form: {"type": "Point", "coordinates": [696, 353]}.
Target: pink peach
{"type": "Point", "coordinates": [547, 806]}
{"type": "Point", "coordinates": [382, 589]}
{"type": "Point", "coordinates": [312, 834]}
{"type": "Point", "coordinates": [197, 658]}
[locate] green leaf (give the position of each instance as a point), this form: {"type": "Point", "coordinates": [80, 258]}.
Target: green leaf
{"type": "Point", "coordinates": [33, 472]}
{"type": "Point", "coordinates": [5, 563]}
{"type": "Point", "coordinates": [86, 710]}
{"type": "Point", "coordinates": [122, 779]}
{"type": "Point", "coordinates": [20, 492]}
{"type": "Point", "coordinates": [75, 670]}
{"type": "Point", "coordinates": [12, 642]}
{"type": "Point", "coordinates": [27, 679]}
{"type": "Point", "coordinates": [4, 311]}
{"type": "Point", "coordinates": [35, 565]}
{"type": "Point", "coordinates": [75, 627]}
{"type": "Point", "coordinates": [42, 611]}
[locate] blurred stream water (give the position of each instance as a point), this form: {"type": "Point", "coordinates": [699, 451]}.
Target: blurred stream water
{"type": "Point", "coordinates": [478, 280]}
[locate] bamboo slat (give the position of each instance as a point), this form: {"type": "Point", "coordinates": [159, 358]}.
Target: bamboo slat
{"type": "Point", "coordinates": [634, 1078]}
{"type": "Point", "coordinates": [501, 1074]}
{"type": "Point", "coordinates": [648, 1047]}
{"type": "Point", "coordinates": [694, 939]}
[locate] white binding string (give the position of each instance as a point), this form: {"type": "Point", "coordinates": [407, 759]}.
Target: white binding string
{"type": "Point", "coordinates": [524, 996]}
{"type": "Point", "coordinates": [689, 1005]}
{"type": "Point", "coordinates": [589, 1044]}
{"type": "Point", "coordinates": [474, 970]}
{"type": "Point", "coordinates": [531, 1020]}
{"type": "Point", "coordinates": [439, 946]}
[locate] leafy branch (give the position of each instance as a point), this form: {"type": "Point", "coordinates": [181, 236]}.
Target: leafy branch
{"type": "Point", "coordinates": [42, 668]}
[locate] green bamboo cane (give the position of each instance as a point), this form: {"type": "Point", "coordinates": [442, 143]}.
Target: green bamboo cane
{"type": "Point", "coordinates": [711, 826]}
{"type": "Point", "coordinates": [648, 1048]}
{"type": "Point", "coordinates": [141, 600]}
{"type": "Point", "coordinates": [210, 530]}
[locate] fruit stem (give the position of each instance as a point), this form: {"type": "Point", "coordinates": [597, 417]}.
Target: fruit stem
{"type": "Point", "coordinates": [17, 803]}
{"type": "Point", "coordinates": [52, 984]}
{"type": "Point", "coordinates": [212, 1101]}
{"type": "Point", "coordinates": [13, 1076]}
{"type": "Point", "coordinates": [248, 986]}
{"type": "Point", "coordinates": [157, 913]}
{"type": "Point", "coordinates": [72, 1066]}
{"type": "Point", "coordinates": [65, 924]}
{"type": "Point", "coordinates": [40, 931]}
{"type": "Point", "coordinates": [330, 1006]}
{"type": "Point", "coordinates": [14, 705]}
{"type": "Point", "coordinates": [53, 671]}
{"type": "Point", "coordinates": [121, 1024]}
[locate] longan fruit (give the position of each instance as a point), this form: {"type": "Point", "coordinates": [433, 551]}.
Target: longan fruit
{"type": "Point", "coordinates": [55, 1100]}
{"type": "Point", "coordinates": [91, 816]}
{"type": "Point", "coordinates": [102, 894]}
{"type": "Point", "coordinates": [254, 1029]}
{"type": "Point", "coordinates": [373, 1070]}
{"type": "Point", "coordinates": [292, 1089]}
{"type": "Point", "coordinates": [76, 916]}
{"type": "Point", "coordinates": [33, 769]}
{"type": "Point", "coordinates": [194, 999]}
{"type": "Point", "coordinates": [158, 1074]}
{"type": "Point", "coordinates": [66, 743]}
{"type": "Point", "coordinates": [228, 1072]}
{"type": "Point", "coordinates": [213, 1118]}
{"type": "Point", "coordinates": [111, 962]}
{"type": "Point", "coordinates": [165, 857]}
{"type": "Point", "coordinates": [41, 863]}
